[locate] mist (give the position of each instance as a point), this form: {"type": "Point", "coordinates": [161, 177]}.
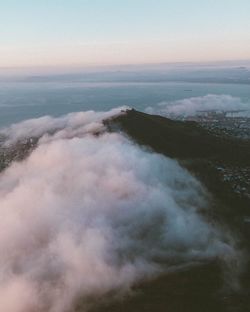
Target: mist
{"type": "Point", "coordinates": [70, 125]}
{"type": "Point", "coordinates": [85, 214]}
{"type": "Point", "coordinates": [192, 106]}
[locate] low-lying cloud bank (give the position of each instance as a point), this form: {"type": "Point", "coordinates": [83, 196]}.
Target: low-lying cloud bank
{"type": "Point", "coordinates": [86, 214]}
{"type": "Point", "coordinates": [70, 125]}
{"type": "Point", "coordinates": [192, 106]}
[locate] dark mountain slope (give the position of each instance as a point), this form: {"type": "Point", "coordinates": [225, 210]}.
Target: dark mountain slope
{"type": "Point", "coordinates": [181, 139]}
{"type": "Point", "coordinates": [207, 156]}
{"type": "Point", "coordinates": [203, 154]}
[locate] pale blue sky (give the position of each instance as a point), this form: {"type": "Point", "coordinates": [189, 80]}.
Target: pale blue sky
{"type": "Point", "coordinates": [72, 32]}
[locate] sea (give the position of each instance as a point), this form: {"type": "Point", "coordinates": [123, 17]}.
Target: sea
{"type": "Point", "coordinates": [25, 100]}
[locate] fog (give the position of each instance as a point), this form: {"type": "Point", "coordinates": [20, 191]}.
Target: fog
{"type": "Point", "coordinates": [84, 214]}
{"type": "Point", "coordinates": [69, 125]}
{"type": "Point", "coordinates": [194, 105]}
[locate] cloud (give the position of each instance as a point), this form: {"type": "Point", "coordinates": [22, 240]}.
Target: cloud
{"type": "Point", "coordinates": [73, 124]}
{"type": "Point", "coordinates": [86, 214]}
{"type": "Point", "coordinates": [192, 106]}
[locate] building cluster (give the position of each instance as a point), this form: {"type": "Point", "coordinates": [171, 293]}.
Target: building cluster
{"type": "Point", "coordinates": [234, 124]}
{"type": "Point", "coordinates": [229, 123]}
{"type": "Point", "coordinates": [237, 177]}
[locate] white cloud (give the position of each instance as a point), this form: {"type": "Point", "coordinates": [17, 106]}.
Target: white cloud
{"type": "Point", "coordinates": [73, 124]}
{"type": "Point", "coordinates": [86, 214]}
{"type": "Point", "coordinates": [192, 106]}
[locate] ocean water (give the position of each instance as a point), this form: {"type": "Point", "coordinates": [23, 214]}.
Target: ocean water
{"type": "Point", "coordinates": [23, 100]}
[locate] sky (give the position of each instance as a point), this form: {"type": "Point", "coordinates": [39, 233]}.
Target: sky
{"type": "Point", "coordinates": [109, 32]}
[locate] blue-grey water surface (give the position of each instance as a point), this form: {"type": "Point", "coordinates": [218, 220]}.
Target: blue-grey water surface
{"type": "Point", "coordinates": [23, 100]}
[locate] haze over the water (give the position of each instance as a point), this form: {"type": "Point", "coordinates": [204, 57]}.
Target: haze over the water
{"type": "Point", "coordinates": [86, 33]}
{"type": "Point", "coordinates": [57, 57]}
